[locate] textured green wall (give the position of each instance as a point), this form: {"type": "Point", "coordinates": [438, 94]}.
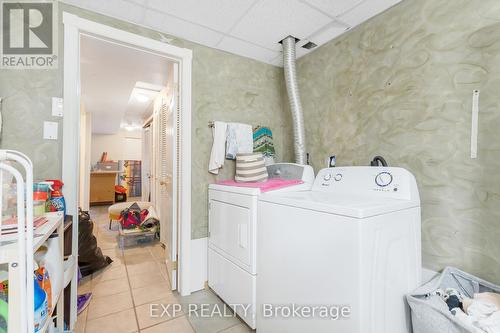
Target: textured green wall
{"type": "Point", "coordinates": [225, 87]}
{"type": "Point", "coordinates": [401, 86]}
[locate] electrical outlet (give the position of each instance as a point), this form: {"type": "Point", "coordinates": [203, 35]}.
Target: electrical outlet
{"type": "Point", "coordinates": [50, 130]}
{"type": "Point", "coordinates": [57, 107]}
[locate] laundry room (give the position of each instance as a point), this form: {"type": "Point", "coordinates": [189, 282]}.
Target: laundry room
{"type": "Point", "coordinates": [254, 165]}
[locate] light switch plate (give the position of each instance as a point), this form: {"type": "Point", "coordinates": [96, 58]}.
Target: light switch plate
{"type": "Point", "coordinates": [50, 129]}
{"type": "Point", "coordinates": [57, 107]}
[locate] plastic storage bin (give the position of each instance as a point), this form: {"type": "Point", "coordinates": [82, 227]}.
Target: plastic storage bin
{"type": "Point", "coordinates": [107, 166]}
{"type": "Point", "coordinates": [430, 314]}
{"type": "Point", "coordinates": [128, 239]}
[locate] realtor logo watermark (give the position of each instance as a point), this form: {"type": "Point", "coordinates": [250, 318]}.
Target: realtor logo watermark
{"type": "Point", "coordinates": [29, 34]}
{"type": "Point", "coordinates": [287, 311]}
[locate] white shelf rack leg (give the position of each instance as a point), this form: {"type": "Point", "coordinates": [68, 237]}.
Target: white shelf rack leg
{"type": "Point", "coordinates": [23, 269]}
{"type": "Point", "coordinates": [20, 264]}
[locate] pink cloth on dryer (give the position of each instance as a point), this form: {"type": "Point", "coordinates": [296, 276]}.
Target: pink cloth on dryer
{"type": "Point", "coordinates": [269, 185]}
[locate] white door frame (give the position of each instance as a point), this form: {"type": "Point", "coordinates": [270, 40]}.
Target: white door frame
{"type": "Point", "coordinates": [73, 27]}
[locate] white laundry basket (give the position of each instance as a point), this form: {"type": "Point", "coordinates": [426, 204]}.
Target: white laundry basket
{"type": "Point", "coordinates": [430, 314]}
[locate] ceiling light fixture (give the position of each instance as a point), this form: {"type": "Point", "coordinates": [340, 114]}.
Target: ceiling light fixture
{"type": "Point", "coordinates": [130, 127]}
{"type": "Point", "coordinates": [142, 98]}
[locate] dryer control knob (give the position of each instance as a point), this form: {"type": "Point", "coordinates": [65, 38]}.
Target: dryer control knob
{"type": "Point", "coordinates": [327, 177]}
{"type": "Point", "coordinates": [383, 179]}
{"type": "Point", "coordinates": [338, 177]}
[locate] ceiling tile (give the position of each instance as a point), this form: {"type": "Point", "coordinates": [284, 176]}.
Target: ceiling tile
{"type": "Point", "coordinates": [220, 15]}
{"type": "Point", "coordinates": [366, 10]}
{"type": "Point", "coordinates": [269, 21]}
{"type": "Point", "coordinates": [328, 33]}
{"type": "Point", "coordinates": [116, 8]}
{"type": "Point", "coordinates": [245, 49]}
{"type": "Point", "coordinates": [333, 8]}
{"type": "Point", "coordinates": [180, 28]}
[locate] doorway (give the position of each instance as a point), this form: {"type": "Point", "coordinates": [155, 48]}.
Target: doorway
{"type": "Point", "coordinates": [177, 237]}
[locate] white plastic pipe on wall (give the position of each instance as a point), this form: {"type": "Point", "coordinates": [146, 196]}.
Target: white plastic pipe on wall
{"type": "Point", "coordinates": [292, 89]}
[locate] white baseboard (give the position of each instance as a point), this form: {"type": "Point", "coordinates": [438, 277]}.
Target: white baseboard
{"type": "Point", "coordinates": [199, 263]}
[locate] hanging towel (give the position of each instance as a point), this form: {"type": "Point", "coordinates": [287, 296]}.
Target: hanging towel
{"type": "Point", "coordinates": [218, 147]}
{"type": "Point", "coordinates": [239, 140]}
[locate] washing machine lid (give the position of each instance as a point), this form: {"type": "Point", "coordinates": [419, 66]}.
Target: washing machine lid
{"type": "Point", "coordinates": [346, 205]}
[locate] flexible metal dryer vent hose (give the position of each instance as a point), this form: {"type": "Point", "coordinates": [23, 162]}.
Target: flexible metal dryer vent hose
{"type": "Point", "coordinates": [292, 89]}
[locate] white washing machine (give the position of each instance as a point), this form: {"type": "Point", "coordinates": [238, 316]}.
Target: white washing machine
{"type": "Point", "coordinates": [351, 244]}
{"type": "Point", "coordinates": [232, 241]}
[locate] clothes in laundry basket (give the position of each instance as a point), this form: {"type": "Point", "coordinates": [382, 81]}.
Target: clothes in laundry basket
{"type": "Point", "coordinates": [479, 314]}
{"type": "Point", "coordinates": [430, 312]}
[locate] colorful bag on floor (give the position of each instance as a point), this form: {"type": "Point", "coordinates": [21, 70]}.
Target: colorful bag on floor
{"type": "Point", "coordinates": [133, 216]}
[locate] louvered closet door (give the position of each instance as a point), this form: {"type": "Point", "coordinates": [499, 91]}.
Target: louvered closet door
{"type": "Point", "coordinates": [146, 163]}
{"type": "Point", "coordinates": [167, 191]}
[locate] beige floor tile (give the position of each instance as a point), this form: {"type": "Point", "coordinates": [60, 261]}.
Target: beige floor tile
{"type": "Point", "coordinates": [102, 306]}
{"type": "Point", "coordinates": [110, 287]}
{"type": "Point", "coordinates": [143, 267]}
{"type": "Point", "coordinates": [146, 279]}
{"type": "Point", "coordinates": [241, 328]}
{"type": "Point", "coordinates": [85, 285]}
{"type": "Point", "coordinates": [211, 324]}
{"type": "Point", "coordinates": [158, 252]}
{"type": "Point", "coordinates": [81, 321]}
{"type": "Point", "coordinates": [158, 311]}
{"type": "Point", "coordinates": [106, 235]}
{"type": "Point", "coordinates": [79, 326]}
{"type": "Point", "coordinates": [138, 258]}
{"type": "Point", "coordinates": [150, 293]}
{"type": "Point", "coordinates": [105, 244]}
{"type": "Point", "coordinates": [121, 322]}
{"type": "Point", "coordinates": [114, 271]}
{"type": "Point", "coordinates": [136, 250]}
{"type": "Point", "coordinates": [208, 324]}
{"type": "Point", "coordinates": [178, 325]}
{"type": "Point", "coordinates": [113, 253]}
{"type": "Point", "coordinates": [163, 269]}
{"type": "Point", "coordinates": [118, 260]}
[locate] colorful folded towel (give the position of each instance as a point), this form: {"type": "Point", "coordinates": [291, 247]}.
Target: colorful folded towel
{"type": "Point", "coordinates": [263, 141]}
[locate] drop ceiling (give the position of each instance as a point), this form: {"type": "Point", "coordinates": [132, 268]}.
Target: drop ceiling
{"type": "Point", "coordinates": [250, 28]}
{"type": "Point", "coordinates": [113, 77]}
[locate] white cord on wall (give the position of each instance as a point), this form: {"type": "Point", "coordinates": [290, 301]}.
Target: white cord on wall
{"type": "Point", "coordinates": [1, 120]}
{"type": "Point", "coordinates": [475, 124]}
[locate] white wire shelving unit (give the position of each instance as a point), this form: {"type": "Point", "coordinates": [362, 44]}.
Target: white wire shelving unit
{"type": "Point", "coordinates": [17, 252]}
